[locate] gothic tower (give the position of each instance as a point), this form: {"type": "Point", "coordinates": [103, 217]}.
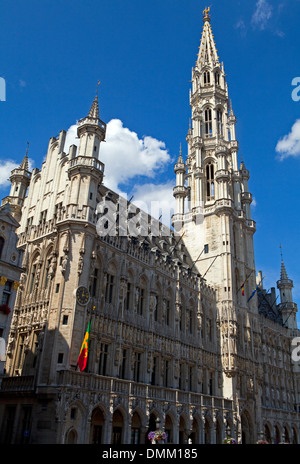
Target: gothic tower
{"type": "Point", "coordinates": [213, 200]}
{"type": "Point", "coordinates": [57, 235]}
{"type": "Point", "coordinates": [86, 171]}
{"type": "Point", "coordinates": [20, 180]}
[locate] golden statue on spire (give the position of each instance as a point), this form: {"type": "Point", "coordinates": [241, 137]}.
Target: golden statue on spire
{"type": "Point", "coordinates": [206, 16]}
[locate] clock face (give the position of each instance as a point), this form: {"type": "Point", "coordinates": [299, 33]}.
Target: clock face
{"type": "Point", "coordinates": [82, 295]}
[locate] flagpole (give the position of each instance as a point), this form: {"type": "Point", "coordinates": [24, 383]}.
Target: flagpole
{"type": "Point", "coordinates": [196, 259]}
{"type": "Point", "coordinates": [210, 266]}
{"type": "Point", "coordinates": [245, 281]}
{"type": "Point", "coordinates": [253, 293]}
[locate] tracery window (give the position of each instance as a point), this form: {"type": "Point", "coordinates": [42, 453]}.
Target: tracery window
{"type": "Point", "coordinates": [34, 273]}
{"type": "Point", "coordinates": [46, 274]}
{"type": "Point", "coordinates": [210, 182]}
{"type": "Point", "coordinates": [208, 122]}
{"type": "Point", "coordinates": [102, 370]}
{"type": "Point", "coordinates": [94, 282]}
{"type": "Point", "coordinates": [137, 366]}
{"type": "Point", "coordinates": [206, 78]}
{"type": "Point", "coordinates": [220, 122]}
{"type": "Point", "coordinates": [2, 241]}
{"type": "Point", "coordinates": [109, 291]}
{"type": "Point", "coordinates": [128, 296]}
{"type": "Point", "coordinates": [141, 297]}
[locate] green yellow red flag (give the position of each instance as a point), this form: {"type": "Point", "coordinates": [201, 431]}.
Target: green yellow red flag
{"type": "Point", "coordinates": [83, 355]}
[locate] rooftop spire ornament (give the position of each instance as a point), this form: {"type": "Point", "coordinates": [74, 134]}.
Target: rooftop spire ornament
{"type": "Point", "coordinates": [98, 83]}
{"type": "Point", "coordinates": [206, 16]}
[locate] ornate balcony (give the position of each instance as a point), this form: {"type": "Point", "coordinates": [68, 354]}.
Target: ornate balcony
{"type": "Point", "coordinates": [246, 197]}
{"type": "Point", "coordinates": [87, 164]}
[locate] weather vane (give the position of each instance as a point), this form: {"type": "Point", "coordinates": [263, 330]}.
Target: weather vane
{"type": "Point", "coordinates": [206, 11]}
{"type": "Point", "coordinates": [98, 83]}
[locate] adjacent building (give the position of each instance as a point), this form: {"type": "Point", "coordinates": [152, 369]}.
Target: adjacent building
{"type": "Point", "coordinates": [10, 271]}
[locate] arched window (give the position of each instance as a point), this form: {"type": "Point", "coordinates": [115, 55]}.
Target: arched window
{"type": "Point", "coordinates": [94, 282]}
{"type": "Point", "coordinates": [136, 426]}
{"type": "Point", "coordinates": [220, 122]}
{"type": "Point", "coordinates": [97, 426]}
{"type": "Point", "coordinates": [129, 293]}
{"type": "Point", "coordinates": [117, 428]}
{"type": "Point", "coordinates": [141, 296]}
{"type": "Point", "coordinates": [217, 78]}
{"type": "Point", "coordinates": [2, 241]}
{"type": "Point", "coordinates": [191, 318]}
{"type": "Point", "coordinates": [206, 78]}
{"type": "Point", "coordinates": [210, 182]}
{"type": "Point", "coordinates": [110, 284]}
{"type": "Point", "coordinates": [33, 280]}
{"type": "Point", "coordinates": [208, 122]}
{"type": "Point", "coordinates": [46, 270]}
{"type": "Point", "coordinates": [168, 309]}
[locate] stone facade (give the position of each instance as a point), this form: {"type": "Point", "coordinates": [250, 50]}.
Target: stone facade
{"type": "Point", "coordinates": [176, 341]}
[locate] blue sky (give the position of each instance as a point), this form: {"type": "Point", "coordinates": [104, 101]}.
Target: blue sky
{"type": "Point", "coordinates": [53, 53]}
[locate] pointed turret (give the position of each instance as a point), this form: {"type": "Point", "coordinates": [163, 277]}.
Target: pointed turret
{"type": "Point", "coordinates": [287, 307]}
{"type": "Point", "coordinates": [20, 179]}
{"type": "Point", "coordinates": [179, 192]}
{"type": "Point", "coordinates": [86, 171]}
{"type": "Point", "coordinates": [24, 165]}
{"type": "Point", "coordinates": [283, 273]}
{"type": "Point", "coordinates": [91, 131]}
{"type": "Point", "coordinates": [94, 111]}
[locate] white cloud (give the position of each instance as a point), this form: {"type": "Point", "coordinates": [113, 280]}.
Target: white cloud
{"type": "Point", "coordinates": [156, 199]}
{"type": "Point", "coordinates": [5, 169]}
{"type": "Point", "coordinates": [71, 137]}
{"type": "Point", "coordinates": [262, 14]}
{"type": "Point", "coordinates": [241, 26]}
{"type": "Point", "coordinates": [289, 145]}
{"type": "Point", "coordinates": [125, 155]}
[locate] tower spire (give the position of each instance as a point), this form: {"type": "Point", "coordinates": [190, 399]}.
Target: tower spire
{"type": "Point", "coordinates": [94, 111]}
{"type": "Point", "coordinates": [24, 165]}
{"type": "Point", "coordinates": [287, 306]}
{"type": "Point", "coordinates": [91, 131]}
{"type": "Point", "coordinates": [208, 53]}
{"type": "Point", "coordinates": [20, 180]}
